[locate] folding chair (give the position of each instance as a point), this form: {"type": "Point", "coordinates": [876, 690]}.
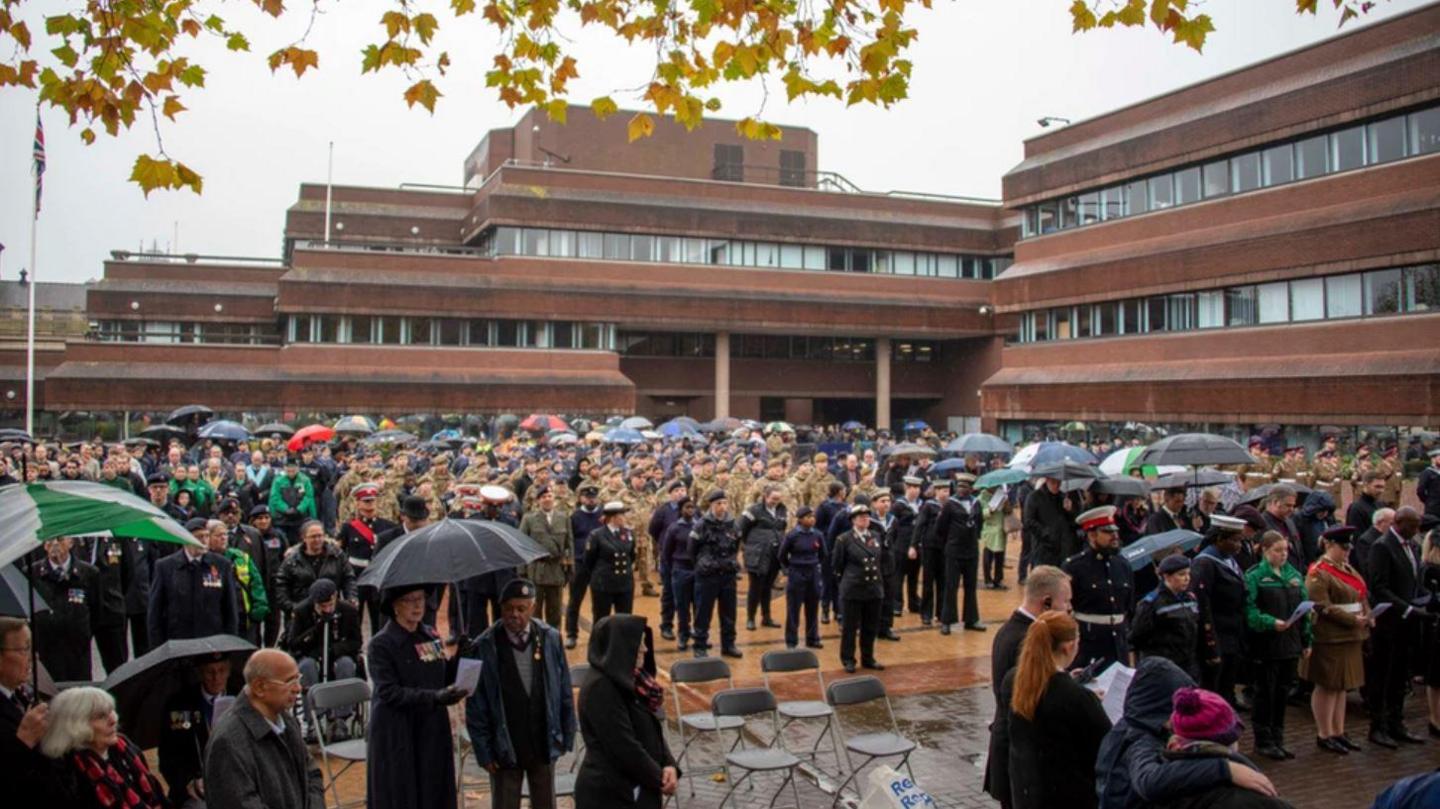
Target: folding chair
{"type": "Point", "coordinates": [323, 697]}
{"type": "Point", "coordinates": [790, 661]}
{"type": "Point", "coordinates": [699, 672]}
{"type": "Point", "coordinates": [741, 703]}
{"type": "Point", "coordinates": [856, 691]}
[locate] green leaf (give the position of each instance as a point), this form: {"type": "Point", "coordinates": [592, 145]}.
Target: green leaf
{"type": "Point", "coordinates": [237, 42]}
{"type": "Point", "coordinates": [603, 107]}
{"type": "Point", "coordinates": [66, 55]}
{"type": "Point", "coordinates": [151, 174]}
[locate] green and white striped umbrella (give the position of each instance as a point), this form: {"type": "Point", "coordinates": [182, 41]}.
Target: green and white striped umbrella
{"type": "Point", "coordinates": [35, 512]}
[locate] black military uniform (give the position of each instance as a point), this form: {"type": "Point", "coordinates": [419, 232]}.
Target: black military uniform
{"type": "Point", "coordinates": [932, 555]}
{"type": "Point", "coordinates": [1218, 583]}
{"type": "Point", "coordinates": [144, 556]}
{"type": "Point", "coordinates": [959, 529]}
{"type": "Point", "coordinates": [62, 635]}
{"type": "Point", "coordinates": [113, 558]}
{"type": "Point", "coordinates": [892, 560]}
{"type": "Point", "coordinates": [1167, 624]}
{"type": "Point", "coordinates": [714, 546]}
{"type": "Point", "coordinates": [1104, 595]}
{"type": "Point", "coordinates": [907, 569]}
{"type": "Point", "coordinates": [193, 598]}
{"type": "Point", "coordinates": [189, 716]}
{"type": "Point", "coordinates": [856, 559]}
{"type": "Point", "coordinates": [610, 558]}
{"type": "Point", "coordinates": [800, 557]}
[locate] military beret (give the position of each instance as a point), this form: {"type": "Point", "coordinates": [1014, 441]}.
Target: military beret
{"type": "Point", "coordinates": [803, 512]}
{"type": "Point", "coordinates": [717, 494]}
{"type": "Point", "coordinates": [259, 511]}
{"type": "Point", "coordinates": [517, 588]}
{"type": "Point", "coordinates": [675, 484]}
{"type": "Point", "coordinates": [1174, 563]}
{"type": "Point", "coordinates": [291, 460]}
{"type": "Point", "coordinates": [778, 460]}
{"type": "Point", "coordinates": [862, 499]}
{"type": "Point", "coordinates": [322, 590]}
{"type": "Point", "coordinates": [196, 524]}
{"type": "Point", "coordinates": [228, 504]}
{"type": "Point", "coordinates": [541, 491]}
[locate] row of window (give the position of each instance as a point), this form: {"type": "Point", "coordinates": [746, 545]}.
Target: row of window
{"type": "Point", "coordinates": [509, 241]}
{"type": "Point", "coordinates": [449, 331]}
{"type": "Point", "coordinates": [1367, 144]}
{"type": "Point", "coordinates": [772, 346]}
{"type": "Point", "coordinates": [1378, 292]}
{"type": "Point", "coordinates": [164, 331]}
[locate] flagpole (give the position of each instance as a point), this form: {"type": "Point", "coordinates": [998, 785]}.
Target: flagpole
{"type": "Point", "coordinates": [30, 327]}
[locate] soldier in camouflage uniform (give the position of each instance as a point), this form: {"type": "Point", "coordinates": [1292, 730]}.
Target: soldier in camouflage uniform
{"type": "Point", "coordinates": [641, 505]}
{"type": "Point", "coordinates": [1326, 472]}
{"type": "Point", "coordinates": [1394, 471]}
{"type": "Point", "coordinates": [702, 477]}
{"type": "Point", "coordinates": [820, 481]}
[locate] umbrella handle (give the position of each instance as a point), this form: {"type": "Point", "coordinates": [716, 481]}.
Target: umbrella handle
{"type": "Point", "coordinates": [34, 647]}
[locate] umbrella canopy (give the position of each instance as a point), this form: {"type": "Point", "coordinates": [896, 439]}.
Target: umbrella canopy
{"type": "Point", "coordinates": [779, 427]}
{"type": "Point", "coordinates": [908, 448]}
{"type": "Point", "coordinates": [1050, 452]}
{"type": "Point", "coordinates": [507, 421]}
{"type": "Point", "coordinates": [543, 422]}
{"type": "Point", "coordinates": [1194, 449]}
{"type": "Point", "coordinates": [16, 435]}
{"type": "Point", "coordinates": [224, 430]}
{"type": "Point", "coordinates": [1000, 477]}
{"type": "Point", "coordinates": [1120, 486]}
{"type": "Point", "coordinates": [916, 426]}
{"type": "Point", "coordinates": [35, 512]}
{"type": "Point", "coordinates": [163, 432]}
{"type": "Point", "coordinates": [1199, 479]}
{"type": "Point", "coordinates": [724, 425]}
{"type": "Point", "coordinates": [1066, 469]}
{"type": "Point", "coordinates": [650, 435]}
{"type": "Point", "coordinates": [355, 424]}
{"type": "Point", "coordinates": [189, 414]}
{"type": "Point", "coordinates": [675, 428]}
{"type": "Point", "coordinates": [141, 442]}
{"type": "Point", "coordinates": [623, 436]}
{"type": "Point", "coordinates": [305, 436]}
{"type": "Point", "coordinates": [1124, 461]}
{"type": "Point", "coordinates": [564, 439]}
{"type": "Point", "coordinates": [448, 551]}
{"type": "Point", "coordinates": [1143, 551]}
{"type": "Point", "coordinates": [144, 685]}
{"type": "Point", "coordinates": [980, 443]}
{"type": "Point", "coordinates": [852, 425]}
{"type": "Point", "coordinates": [949, 465]}
{"type": "Point", "coordinates": [15, 593]}
{"type": "Point", "coordinates": [581, 426]}
{"type": "Point", "coordinates": [1257, 495]}
{"type": "Point", "coordinates": [275, 428]}
{"type": "Point", "coordinates": [637, 423]}
{"type": "Point", "coordinates": [389, 438]}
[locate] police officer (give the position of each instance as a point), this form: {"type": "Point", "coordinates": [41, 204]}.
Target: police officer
{"type": "Point", "coordinates": [1104, 590]}
{"type": "Point", "coordinates": [113, 559]}
{"type": "Point", "coordinates": [610, 558]}
{"type": "Point", "coordinates": [362, 536]}
{"type": "Point", "coordinates": [800, 558]}
{"type": "Point", "coordinates": [959, 528]}
{"type": "Point", "coordinates": [932, 551]}
{"type": "Point", "coordinates": [856, 559]}
{"type": "Point", "coordinates": [1167, 619]}
{"type": "Point", "coordinates": [72, 590]}
{"type": "Point", "coordinates": [583, 520]}
{"type": "Point", "coordinates": [715, 546]}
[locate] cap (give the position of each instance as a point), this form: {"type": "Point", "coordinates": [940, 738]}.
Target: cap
{"type": "Point", "coordinates": [1249, 514]}
{"type": "Point", "coordinates": [365, 491]}
{"type": "Point", "coordinates": [517, 588]}
{"type": "Point", "coordinates": [717, 494]}
{"type": "Point", "coordinates": [1097, 519]}
{"type": "Point", "coordinates": [157, 479]}
{"type": "Point", "coordinates": [1255, 442]}
{"type": "Point", "coordinates": [677, 484]}
{"type": "Point", "coordinates": [1174, 563]}
{"type": "Point", "coordinates": [858, 509]}
{"type": "Point", "coordinates": [940, 483]}
{"type": "Point", "coordinates": [803, 512]}
{"type": "Point", "coordinates": [1201, 715]}
{"type": "Point", "coordinates": [415, 508]}
{"type": "Point", "coordinates": [259, 511]}
{"type": "Point", "coordinates": [322, 590]}
{"type": "Point", "coordinates": [880, 494]}
{"type": "Point", "coordinates": [615, 507]}
{"type": "Point", "coordinates": [588, 490]}
{"type": "Point", "coordinates": [1340, 534]}
{"type": "Point", "coordinates": [914, 480]}
{"type": "Point", "coordinates": [196, 524]}
{"type": "Point", "coordinates": [778, 460]}
{"type": "Point", "coordinates": [228, 504]}
{"type": "Point", "coordinates": [1228, 523]}
{"type": "Point", "coordinates": [965, 478]}
{"type": "Point", "coordinates": [497, 495]}
{"type": "Point", "coordinates": [1434, 453]}
{"type": "Point", "coordinates": [541, 491]}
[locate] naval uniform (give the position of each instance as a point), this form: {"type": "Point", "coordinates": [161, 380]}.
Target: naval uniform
{"type": "Point", "coordinates": [610, 558]}
{"type": "Point", "coordinates": [1104, 593]}
{"type": "Point", "coordinates": [800, 556]}
{"type": "Point", "coordinates": [856, 559]}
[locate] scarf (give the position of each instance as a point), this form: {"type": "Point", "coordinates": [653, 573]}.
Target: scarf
{"type": "Point", "coordinates": [649, 691]}
{"type": "Point", "coordinates": [120, 780]}
{"type": "Point", "coordinates": [1354, 581]}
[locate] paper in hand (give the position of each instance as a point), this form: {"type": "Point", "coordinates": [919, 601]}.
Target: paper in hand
{"type": "Point", "coordinates": [1300, 610]}
{"type": "Point", "coordinates": [1380, 609]}
{"type": "Point", "coordinates": [467, 674]}
{"type": "Point", "coordinates": [1114, 700]}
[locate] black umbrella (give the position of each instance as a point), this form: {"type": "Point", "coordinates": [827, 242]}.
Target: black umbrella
{"type": "Point", "coordinates": [1257, 495]}
{"type": "Point", "coordinates": [980, 443]}
{"type": "Point", "coordinates": [15, 594]}
{"type": "Point", "coordinates": [20, 436]}
{"type": "Point", "coordinates": [1199, 479]}
{"type": "Point", "coordinates": [163, 432]}
{"type": "Point", "coordinates": [143, 686]}
{"type": "Point", "coordinates": [449, 551]}
{"type": "Point", "coordinates": [1194, 449]}
{"type": "Point", "coordinates": [275, 428]}
{"type": "Point", "coordinates": [1120, 487]}
{"type": "Point", "coordinates": [189, 414]}
{"type": "Point", "coordinates": [1067, 470]}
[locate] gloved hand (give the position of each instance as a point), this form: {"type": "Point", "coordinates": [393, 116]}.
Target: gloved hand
{"type": "Point", "coordinates": [450, 695]}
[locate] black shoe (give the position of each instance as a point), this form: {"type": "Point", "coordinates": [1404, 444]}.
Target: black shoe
{"type": "Point", "coordinates": [944, 629]}
{"type": "Point", "coordinates": [1284, 750]}
{"type": "Point", "coordinates": [750, 625]}
{"type": "Point", "coordinates": [897, 612]}
{"type": "Point", "coordinates": [825, 617]}
{"type": "Point", "coordinates": [1434, 730]}
{"type": "Point", "coordinates": [1270, 751]}
{"type": "Point", "coordinates": [1332, 746]}
{"type": "Point", "coordinates": [570, 643]}
{"type": "Point", "coordinates": [874, 665]}
{"type": "Point", "coordinates": [769, 624]}
{"type": "Point", "coordinates": [890, 634]}
{"type": "Point", "coordinates": [1346, 742]}
{"type": "Point", "coordinates": [667, 634]}
{"type": "Point", "coordinates": [1244, 702]}
{"type": "Point", "coordinates": [1383, 739]}
{"type": "Point", "coordinates": [1400, 733]}
{"type": "Point", "coordinates": [816, 645]}
{"type": "Point", "coordinates": [1000, 585]}
{"type": "Point", "coordinates": [701, 651]}
{"type": "Point", "coordinates": [683, 644]}
{"type": "Point", "coordinates": [975, 628]}
{"type": "Point", "coordinates": [731, 651]}
{"type": "Point", "coordinates": [925, 622]}
{"type": "Point", "coordinates": [849, 668]}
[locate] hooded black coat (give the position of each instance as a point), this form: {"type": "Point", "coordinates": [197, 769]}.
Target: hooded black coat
{"type": "Point", "coordinates": [625, 747]}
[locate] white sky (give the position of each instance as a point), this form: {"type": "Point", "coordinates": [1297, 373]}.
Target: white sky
{"type": "Point", "coordinates": [985, 70]}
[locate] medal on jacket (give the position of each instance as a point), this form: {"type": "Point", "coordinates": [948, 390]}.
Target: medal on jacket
{"type": "Point", "coordinates": [429, 651]}
{"type": "Point", "coordinates": [211, 579]}
{"type": "Point", "coordinates": [538, 647]}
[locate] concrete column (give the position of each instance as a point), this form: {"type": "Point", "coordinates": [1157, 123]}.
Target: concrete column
{"type": "Point", "coordinates": [722, 374]}
{"type": "Point", "coordinates": [882, 383]}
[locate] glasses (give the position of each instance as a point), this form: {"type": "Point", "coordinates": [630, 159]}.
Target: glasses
{"type": "Point", "coordinates": [27, 649]}
{"type": "Point", "coordinates": [289, 682]}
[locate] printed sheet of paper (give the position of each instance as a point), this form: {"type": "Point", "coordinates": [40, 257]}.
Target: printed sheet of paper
{"type": "Point", "coordinates": [467, 674]}
{"type": "Point", "coordinates": [1114, 700]}
{"type": "Point", "coordinates": [1300, 610]}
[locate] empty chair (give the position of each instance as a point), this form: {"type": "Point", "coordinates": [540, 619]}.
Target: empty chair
{"type": "Point", "coordinates": [795, 661]}
{"type": "Point", "coordinates": [740, 703]}
{"type": "Point", "coordinates": [322, 698]}
{"type": "Point", "coordinates": [692, 726]}
{"type": "Point", "coordinates": [884, 744]}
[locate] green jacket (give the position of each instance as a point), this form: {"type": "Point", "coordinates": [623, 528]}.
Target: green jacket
{"type": "Point", "coordinates": [303, 506]}
{"type": "Point", "coordinates": [1270, 595]}
{"type": "Point", "coordinates": [202, 497]}
{"type": "Point", "coordinates": [252, 584]}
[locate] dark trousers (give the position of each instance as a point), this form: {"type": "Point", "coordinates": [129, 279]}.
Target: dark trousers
{"type": "Point", "coordinates": [1273, 679]}
{"type": "Point", "coordinates": [861, 618]}
{"type": "Point", "coordinates": [139, 634]}
{"type": "Point", "coordinates": [271, 627]}
{"type": "Point", "coordinates": [912, 581]}
{"type": "Point", "coordinates": [505, 786]}
{"type": "Point", "coordinates": [548, 603]}
{"type": "Point", "coordinates": [67, 660]}
{"type": "Point", "coordinates": [758, 594]}
{"type": "Point", "coordinates": [1392, 649]}
{"type": "Point", "coordinates": [667, 599]}
{"type": "Point", "coordinates": [994, 566]}
{"type": "Point", "coordinates": [802, 593]}
{"type": "Point", "coordinates": [1220, 677]}
{"type": "Point", "coordinates": [578, 586]}
{"type": "Point", "coordinates": [682, 582]}
{"type": "Point", "coordinates": [958, 572]}
{"type": "Point", "coordinates": [712, 592]}
{"type": "Point", "coordinates": [369, 605]}
{"type": "Point", "coordinates": [892, 601]}
{"type": "Point", "coordinates": [931, 598]}
{"type": "Point", "coordinates": [110, 640]}
{"type": "Point", "coordinates": [829, 586]}
{"type": "Point", "coordinates": [1023, 566]}
{"type": "Point", "coordinates": [603, 604]}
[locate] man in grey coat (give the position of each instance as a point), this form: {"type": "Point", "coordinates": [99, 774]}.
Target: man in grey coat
{"type": "Point", "coordinates": [256, 758]}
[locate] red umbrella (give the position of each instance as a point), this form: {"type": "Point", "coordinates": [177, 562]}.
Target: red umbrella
{"type": "Point", "coordinates": [540, 423]}
{"type": "Point", "coordinates": [305, 436]}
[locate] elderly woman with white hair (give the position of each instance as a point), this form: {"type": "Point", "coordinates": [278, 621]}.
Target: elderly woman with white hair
{"type": "Point", "coordinates": [95, 766]}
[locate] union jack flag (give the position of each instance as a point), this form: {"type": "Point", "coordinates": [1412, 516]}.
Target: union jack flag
{"type": "Point", "coordinates": [39, 160]}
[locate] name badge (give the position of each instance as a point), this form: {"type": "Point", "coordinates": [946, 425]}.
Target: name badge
{"type": "Point", "coordinates": [76, 595]}
{"type": "Point", "coordinates": [273, 543]}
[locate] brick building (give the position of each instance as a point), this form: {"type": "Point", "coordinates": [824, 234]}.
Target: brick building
{"type": "Point", "coordinates": [1260, 247]}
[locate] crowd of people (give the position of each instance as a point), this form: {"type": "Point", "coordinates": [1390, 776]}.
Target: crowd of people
{"type": "Point", "coordinates": [860, 527]}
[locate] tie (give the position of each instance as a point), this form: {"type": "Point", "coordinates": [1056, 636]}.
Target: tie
{"type": "Point", "coordinates": [209, 709]}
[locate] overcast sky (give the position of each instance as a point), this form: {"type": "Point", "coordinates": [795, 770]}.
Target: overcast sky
{"type": "Point", "coordinates": [985, 70]}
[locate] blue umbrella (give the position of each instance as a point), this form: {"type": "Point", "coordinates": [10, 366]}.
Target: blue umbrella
{"type": "Point", "coordinates": [916, 425]}
{"type": "Point", "coordinates": [447, 435]}
{"type": "Point", "coordinates": [852, 425]}
{"type": "Point", "coordinates": [1050, 452]}
{"type": "Point", "coordinates": [677, 429]}
{"type": "Point", "coordinates": [1142, 551]}
{"type": "Point", "coordinates": [622, 436]}
{"type": "Point", "coordinates": [980, 443]}
{"type": "Point", "coordinates": [224, 431]}
{"type": "Point", "coordinates": [949, 465]}
{"type": "Point", "coordinates": [637, 423]}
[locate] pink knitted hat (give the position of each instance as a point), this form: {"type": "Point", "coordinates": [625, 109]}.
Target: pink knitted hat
{"type": "Point", "coordinates": [1202, 715]}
